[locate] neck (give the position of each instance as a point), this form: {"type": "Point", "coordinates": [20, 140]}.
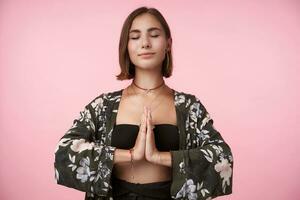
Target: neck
{"type": "Point", "coordinates": [148, 79]}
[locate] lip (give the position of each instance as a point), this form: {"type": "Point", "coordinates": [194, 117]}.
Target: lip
{"type": "Point", "coordinates": [146, 54]}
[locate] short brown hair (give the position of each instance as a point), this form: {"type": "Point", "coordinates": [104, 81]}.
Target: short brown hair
{"type": "Point", "coordinates": [127, 67]}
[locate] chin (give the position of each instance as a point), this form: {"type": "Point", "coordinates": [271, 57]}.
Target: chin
{"type": "Point", "coordinates": [145, 66]}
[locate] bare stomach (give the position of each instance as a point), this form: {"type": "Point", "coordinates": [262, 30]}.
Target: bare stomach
{"type": "Point", "coordinates": [143, 172]}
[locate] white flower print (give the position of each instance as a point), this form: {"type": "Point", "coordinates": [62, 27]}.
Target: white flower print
{"type": "Point", "coordinates": [218, 148]}
{"type": "Point", "coordinates": [56, 175]}
{"type": "Point", "coordinates": [179, 99]}
{"type": "Point", "coordinates": [188, 190]}
{"type": "Point", "coordinates": [81, 145]}
{"type": "Point", "coordinates": [205, 120]}
{"type": "Point", "coordinates": [83, 172]}
{"type": "Point", "coordinates": [225, 170]}
{"type": "Point", "coordinates": [62, 143]}
{"type": "Point", "coordinates": [182, 167]}
{"type": "Point", "coordinates": [97, 104]}
{"type": "Point", "coordinates": [208, 155]}
{"type": "Point", "coordinates": [72, 159]}
{"type": "Point", "coordinates": [103, 172]}
{"type": "Point", "coordinates": [202, 190]}
{"type": "Point", "coordinates": [187, 103]}
{"type": "Point", "coordinates": [195, 111]}
{"type": "Point", "coordinates": [85, 116]}
{"type": "Point", "coordinates": [202, 134]}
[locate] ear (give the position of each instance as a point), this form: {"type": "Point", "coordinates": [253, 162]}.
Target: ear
{"type": "Point", "coordinates": [169, 44]}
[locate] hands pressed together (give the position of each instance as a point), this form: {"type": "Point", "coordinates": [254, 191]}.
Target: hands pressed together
{"type": "Point", "coordinates": [145, 141]}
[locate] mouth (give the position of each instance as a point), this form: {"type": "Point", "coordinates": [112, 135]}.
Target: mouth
{"type": "Point", "coordinates": [146, 54]}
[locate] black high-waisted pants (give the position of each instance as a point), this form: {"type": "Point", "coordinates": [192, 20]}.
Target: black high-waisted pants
{"type": "Point", "coordinates": [123, 190]}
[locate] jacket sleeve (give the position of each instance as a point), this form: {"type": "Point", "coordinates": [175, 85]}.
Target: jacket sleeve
{"type": "Point", "coordinates": [205, 170]}
{"type": "Point", "coordinates": [81, 161]}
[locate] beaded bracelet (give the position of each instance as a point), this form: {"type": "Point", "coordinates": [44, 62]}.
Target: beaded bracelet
{"type": "Point", "coordinates": [131, 160]}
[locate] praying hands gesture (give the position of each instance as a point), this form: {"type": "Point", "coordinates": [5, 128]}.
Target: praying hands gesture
{"type": "Point", "coordinates": [145, 143]}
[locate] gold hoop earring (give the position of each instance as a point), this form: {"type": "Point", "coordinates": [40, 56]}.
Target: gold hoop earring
{"type": "Point", "coordinates": [167, 65]}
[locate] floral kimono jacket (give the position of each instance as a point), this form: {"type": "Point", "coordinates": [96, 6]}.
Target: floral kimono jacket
{"type": "Point", "coordinates": [202, 168]}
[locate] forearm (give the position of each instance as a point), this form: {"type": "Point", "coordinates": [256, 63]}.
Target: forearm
{"type": "Point", "coordinates": [164, 158]}
{"type": "Point", "coordinates": [121, 155]}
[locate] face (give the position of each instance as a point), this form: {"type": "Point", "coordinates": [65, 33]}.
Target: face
{"type": "Point", "coordinates": [146, 35]}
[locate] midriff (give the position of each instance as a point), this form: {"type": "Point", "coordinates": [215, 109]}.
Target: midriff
{"type": "Point", "coordinates": [143, 172]}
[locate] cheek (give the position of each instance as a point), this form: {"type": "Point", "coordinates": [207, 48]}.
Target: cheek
{"type": "Point", "coordinates": [130, 48]}
{"type": "Point", "coordinates": [132, 51]}
{"type": "Point", "coordinates": [160, 45]}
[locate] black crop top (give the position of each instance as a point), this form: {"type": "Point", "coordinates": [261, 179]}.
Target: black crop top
{"type": "Point", "coordinates": [166, 136]}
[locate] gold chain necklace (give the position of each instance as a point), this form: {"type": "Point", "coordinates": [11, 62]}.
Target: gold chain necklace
{"type": "Point", "coordinates": [146, 93]}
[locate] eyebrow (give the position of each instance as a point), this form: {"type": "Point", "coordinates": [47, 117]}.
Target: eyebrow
{"type": "Point", "coordinates": [148, 30]}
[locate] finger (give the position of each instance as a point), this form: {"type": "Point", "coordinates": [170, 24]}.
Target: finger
{"type": "Point", "coordinates": [150, 116]}
{"type": "Point", "coordinates": [143, 117]}
{"type": "Point", "coordinates": [148, 131]}
{"type": "Point", "coordinates": [143, 121]}
{"type": "Point", "coordinates": [151, 126]}
{"type": "Point", "coordinates": [147, 117]}
{"type": "Point", "coordinates": [149, 123]}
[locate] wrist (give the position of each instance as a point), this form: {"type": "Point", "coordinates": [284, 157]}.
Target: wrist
{"type": "Point", "coordinates": [157, 158]}
{"type": "Point", "coordinates": [163, 158]}
{"type": "Point", "coordinates": [131, 161]}
{"type": "Point", "coordinates": [131, 155]}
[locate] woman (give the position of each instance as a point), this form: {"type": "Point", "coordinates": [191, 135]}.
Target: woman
{"type": "Point", "coordinates": [146, 141]}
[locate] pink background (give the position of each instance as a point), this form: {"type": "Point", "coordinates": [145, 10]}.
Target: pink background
{"type": "Point", "coordinates": [241, 58]}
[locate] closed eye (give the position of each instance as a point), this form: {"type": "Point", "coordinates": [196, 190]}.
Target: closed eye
{"type": "Point", "coordinates": [135, 38]}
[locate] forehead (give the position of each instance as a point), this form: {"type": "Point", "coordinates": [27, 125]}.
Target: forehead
{"type": "Point", "coordinates": [145, 21]}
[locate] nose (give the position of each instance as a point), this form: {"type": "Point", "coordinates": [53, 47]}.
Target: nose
{"type": "Point", "coordinates": [146, 43]}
